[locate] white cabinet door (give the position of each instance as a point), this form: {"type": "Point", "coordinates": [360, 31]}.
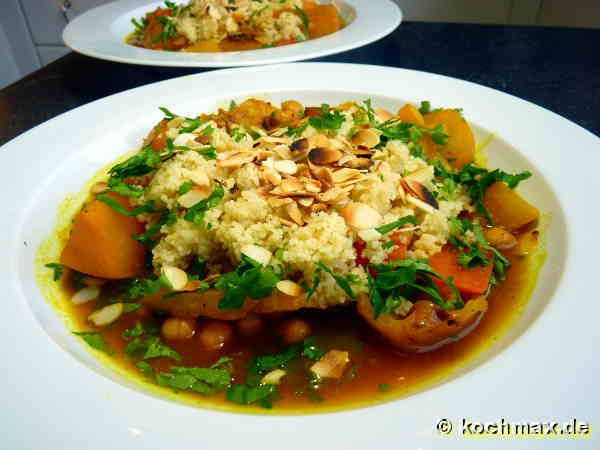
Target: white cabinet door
{"type": "Point", "coordinates": [46, 20]}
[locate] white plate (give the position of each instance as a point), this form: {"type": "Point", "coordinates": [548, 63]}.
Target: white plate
{"type": "Point", "coordinates": [101, 33]}
{"type": "Point", "coordinates": [56, 395]}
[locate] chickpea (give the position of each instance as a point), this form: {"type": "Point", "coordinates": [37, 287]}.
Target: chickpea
{"type": "Point", "coordinates": [175, 329]}
{"type": "Point", "coordinates": [500, 238]}
{"type": "Point", "coordinates": [295, 330]}
{"type": "Point", "coordinates": [249, 325]}
{"type": "Point", "coordinates": [215, 335]}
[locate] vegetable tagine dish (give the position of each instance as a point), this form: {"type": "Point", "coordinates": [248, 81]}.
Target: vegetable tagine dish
{"type": "Point", "coordinates": [298, 257]}
{"type": "Point", "coordinates": [233, 25]}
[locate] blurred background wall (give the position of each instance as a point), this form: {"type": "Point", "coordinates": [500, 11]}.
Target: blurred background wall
{"type": "Point", "coordinates": [30, 30]}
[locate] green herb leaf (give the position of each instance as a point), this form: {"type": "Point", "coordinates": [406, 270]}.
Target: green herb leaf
{"type": "Point", "coordinates": [57, 270]}
{"type": "Point", "coordinates": [343, 281]}
{"type": "Point", "coordinates": [139, 164]}
{"type": "Point", "coordinates": [167, 218]}
{"type": "Point", "coordinates": [120, 187]}
{"type": "Point", "coordinates": [425, 107]}
{"type": "Point", "coordinates": [208, 152]}
{"type": "Point", "coordinates": [266, 363]}
{"type": "Point", "coordinates": [95, 340]}
{"type": "Point", "coordinates": [147, 207]}
{"type": "Point", "coordinates": [396, 224]}
{"type": "Point", "coordinates": [292, 132]}
{"type": "Point", "coordinates": [145, 368]}
{"type": "Point", "coordinates": [305, 20]}
{"type": "Point", "coordinates": [195, 214]}
{"type": "Point", "coordinates": [168, 114]}
{"type": "Point", "coordinates": [328, 120]}
{"type": "Point", "coordinates": [246, 395]}
{"type": "Point", "coordinates": [311, 350]}
{"type": "Point", "coordinates": [136, 331]}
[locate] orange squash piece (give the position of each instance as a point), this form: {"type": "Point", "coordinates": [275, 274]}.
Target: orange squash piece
{"type": "Point", "coordinates": [409, 113]}
{"type": "Point", "coordinates": [101, 245]}
{"type": "Point", "coordinates": [469, 282]}
{"type": "Point", "coordinates": [507, 208]}
{"type": "Point", "coordinates": [323, 19]}
{"type": "Point", "coordinates": [460, 148]}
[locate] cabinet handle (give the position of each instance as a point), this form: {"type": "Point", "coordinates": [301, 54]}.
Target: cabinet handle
{"type": "Point", "coordinates": [65, 7]}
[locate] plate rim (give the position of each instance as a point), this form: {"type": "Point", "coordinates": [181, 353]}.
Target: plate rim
{"type": "Point", "coordinates": [301, 51]}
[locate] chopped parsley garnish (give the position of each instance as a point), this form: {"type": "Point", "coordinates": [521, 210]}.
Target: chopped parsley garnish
{"type": "Point", "coordinates": [168, 114]}
{"type": "Point", "coordinates": [118, 186]}
{"type": "Point", "coordinates": [305, 19]}
{"type": "Point", "coordinates": [145, 368]}
{"type": "Point", "coordinates": [364, 115]}
{"type": "Point", "coordinates": [314, 285]}
{"type": "Point", "coordinates": [185, 187]}
{"type": "Point", "coordinates": [149, 347]}
{"type": "Point", "coordinates": [388, 244]}
{"type": "Point", "coordinates": [169, 30]}
{"type": "Point", "coordinates": [343, 281]}
{"type": "Point", "coordinates": [249, 279]}
{"type": "Point", "coordinates": [477, 180]}
{"type": "Point", "coordinates": [396, 224]}
{"type": "Point", "coordinates": [401, 279]}
{"type": "Point", "coordinates": [140, 25]}
{"type": "Point", "coordinates": [265, 363]}
{"type": "Point", "coordinates": [95, 340]}
{"type": "Point", "coordinates": [209, 152]}
{"type": "Point", "coordinates": [425, 107]}
{"type": "Point", "coordinates": [146, 287]}
{"type": "Point", "coordinates": [328, 120]}
{"type": "Point", "coordinates": [237, 134]}
{"type": "Point", "coordinates": [195, 214]}
{"type": "Point", "coordinates": [139, 164]}
{"type": "Point", "coordinates": [57, 270]}
{"type": "Point", "coordinates": [311, 350]}
{"type": "Point", "coordinates": [411, 133]}
{"type": "Point", "coordinates": [189, 125]}
{"type": "Point", "coordinates": [204, 380]}
{"type": "Point", "coordinates": [246, 395]}
{"type": "Point", "coordinates": [137, 330]}
{"type": "Point", "coordinates": [198, 267]}
{"type": "Point", "coordinates": [384, 387]}
{"type": "Point", "coordinates": [147, 207]}
{"type": "Point", "coordinates": [232, 105]}
{"type": "Point", "coordinates": [297, 131]}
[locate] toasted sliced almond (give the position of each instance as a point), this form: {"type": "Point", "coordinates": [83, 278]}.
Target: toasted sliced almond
{"type": "Point", "coordinates": [199, 178]}
{"type": "Point", "coordinates": [184, 138]}
{"type": "Point", "coordinates": [331, 365]}
{"type": "Point", "coordinates": [257, 253]}
{"type": "Point", "coordinates": [318, 140]}
{"type": "Point", "coordinates": [358, 163]}
{"type": "Point", "coordinates": [87, 294]}
{"type": "Point", "coordinates": [291, 185]}
{"type": "Point", "coordinates": [273, 377]}
{"type": "Point", "coordinates": [288, 287]}
{"type": "Point", "coordinates": [193, 196]}
{"type": "Point", "coordinates": [176, 277]}
{"type": "Point", "coordinates": [98, 188]}
{"type": "Point", "coordinates": [300, 145]}
{"type": "Point", "coordinates": [323, 174]}
{"type": "Point", "coordinates": [361, 216]}
{"type": "Point", "coordinates": [368, 138]}
{"type": "Point", "coordinates": [318, 207]}
{"type": "Point", "coordinates": [322, 156]}
{"type": "Point", "coordinates": [306, 201]}
{"type": "Point", "coordinates": [421, 192]}
{"type": "Point", "coordinates": [283, 151]}
{"type": "Point", "coordinates": [401, 193]}
{"type": "Point", "coordinates": [312, 185]}
{"type": "Point", "coordinates": [107, 315]}
{"type": "Point", "coordinates": [346, 175]}
{"type": "Point", "coordinates": [294, 212]}
{"type": "Point", "coordinates": [277, 202]}
{"type": "Point", "coordinates": [287, 223]}
{"type": "Point", "coordinates": [423, 175]}
{"type": "Point", "coordinates": [271, 176]}
{"type": "Point", "coordinates": [285, 166]}
{"type": "Point", "coordinates": [235, 160]}
{"type": "Point", "coordinates": [419, 204]}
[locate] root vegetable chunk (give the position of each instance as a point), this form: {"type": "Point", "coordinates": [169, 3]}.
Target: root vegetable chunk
{"type": "Point", "coordinates": [101, 245]}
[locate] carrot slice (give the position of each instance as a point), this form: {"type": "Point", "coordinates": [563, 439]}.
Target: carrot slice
{"type": "Point", "coordinates": [322, 20]}
{"type": "Point", "coordinates": [409, 113]}
{"type": "Point", "coordinates": [101, 245]}
{"type": "Point", "coordinates": [469, 282]}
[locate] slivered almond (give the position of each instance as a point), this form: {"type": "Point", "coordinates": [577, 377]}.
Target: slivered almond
{"type": "Point", "coordinates": [199, 178]}
{"type": "Point", "coordinates": [273, 377]}
{"type": "Point", "coordinates": [306, 201]}
{"type": "Point", "coordinates": [271, 176]}
{"type": "Point", "coordinates": [288, 287]}
{"type": "Point", "coordinates": [367, 138]}
{"type": "Point", "coordinates": [419, 191]}
{"type": "Point", "coordinates": [193, 196]}
{"type": "Point", "coordinates": [299, 145]}
{"type": "Point", "coordinates": [358, 163]}
{"type": "Point", "coordinates": [283, 151]}
{"type": "Point", "coordinates": [261, 154]}
{"type": "Point", "coordinates": [324, 155]}
{"type": "Point", "coordinates": [361, 216]}
{"type": "Point", "coordinates": [97, 188]}
{"type": "Point", "coordinates": [287, 223]}
{"type": "Point", "coordinates": [290, 185]}
{"type": "Point", "coordinates": [331, 365]}
{"type": "Point", "coordinates": [344, 159]}
{"type": "Point", "coordinates": [257, 253]}
{"type": "Point", "coordinates": [235, 160]}
{"type": "Point", "coordinates": [344, 175]}
{"type": "Point", "coordinates": [401, 193]}
{"type": "Point", "coordinates": [285, 166]}
{"type": "Point", "coordinates": [419, 204]}
{"type": "Point", "coordinates": [87, 294]}
{"type": "Point", "coordinates": [176, 277]}
{"type": "Point", "coordinates": [361, 151]}
{"type": "Point", "coordinates": [312, 185]}
{"type": "Point", "coordinates": [294, 212]}
{"type": "Point", "coordinates": [107, 315]}
{"type": "Point", "coordinates": [276, 202]}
